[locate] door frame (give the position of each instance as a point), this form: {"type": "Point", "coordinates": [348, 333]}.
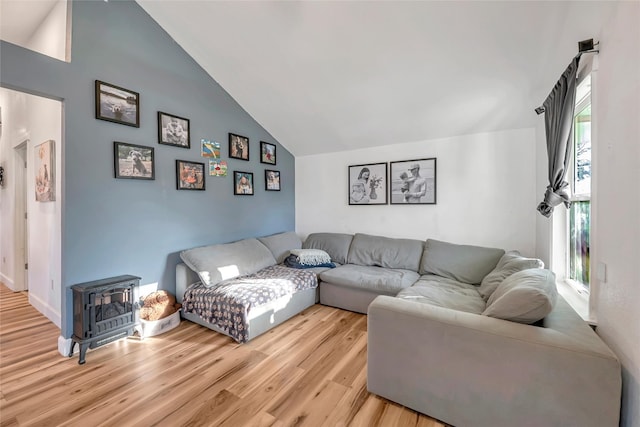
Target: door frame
{"type": "Point", "coordinates": [21, 224]}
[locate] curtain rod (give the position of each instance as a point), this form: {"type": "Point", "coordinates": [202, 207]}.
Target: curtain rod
{"type": "Point", "coordinates": [587, 46]}
{"type": "Point", "coordinates": [584, 46]}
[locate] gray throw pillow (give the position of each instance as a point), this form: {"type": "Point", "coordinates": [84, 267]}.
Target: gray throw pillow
{"type": "Point", "coordinates": [464, 263]}
{"type": "Point", "coordinates": [525, 297]}
{"type": "Point", "coordinates": [509, 263]}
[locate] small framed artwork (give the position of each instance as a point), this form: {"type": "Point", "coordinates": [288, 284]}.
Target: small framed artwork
{"type": "Point", "coordinates": [45, 171]}
{"type": "Point", "coordinates": [189, 175]}
{"type": "Point", "coordinates": [242, 183]}
{"type": "Point", "coordinates": [368, 184]}
{"type": "Point", "coordinates": [133, 161]}
{"type": "Point", "coordinates": [272, 180]}
{"type": "Point", "coordinates": [238, 147]}
{"type": "Point", "coordinates": [210, 149]}
{"type": "Point", "coordinates": [117, 104]}
{"type": "Point", "coordinates": [267, 153]}
{"type": "Point", "coordinates": [217, 168]}
{"type": "Point", "coordinates": [413, 182]}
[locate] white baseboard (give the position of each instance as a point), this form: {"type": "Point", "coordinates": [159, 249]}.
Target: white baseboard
{"type": "Point", "coordinates": [7, 281]}
{"type": "Point", "coordinates": [49, 312]}
{"type": "Point", "coordinates": [64, 346]}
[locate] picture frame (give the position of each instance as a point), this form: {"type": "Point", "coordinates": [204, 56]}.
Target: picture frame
{"type": "Point", "coordinates": [209, 148]}
{"type": "Point", "coordinates": [267, 153]}
{"type": "Point", "coordinates": [238, 147]}
{"type": "Point", "coordinates": [368, 184]}
{"type": "Point", "coordinates": [190, 175]}
{"type": "Point", "coordinates": [45, 169]}
{"type": "Point", "coordinates": [173, 130]}
{"type": "Point", "coordinates": [133, 161]}
{"type": "Point", "coordinates": [242, 183]}
{"type": "Point", "coordinates": [271, 180]}
{"type": "Point", "coordinates": [413, 182]}
{"type": "Point", "coordinates": [117, 104]}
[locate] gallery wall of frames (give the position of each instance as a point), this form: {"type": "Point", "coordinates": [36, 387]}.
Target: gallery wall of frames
{"type": "Point", "coordinates": [119, 105]}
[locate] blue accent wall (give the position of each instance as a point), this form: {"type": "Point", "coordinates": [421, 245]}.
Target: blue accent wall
{"type": "Point", "coordinates": [118, 226]}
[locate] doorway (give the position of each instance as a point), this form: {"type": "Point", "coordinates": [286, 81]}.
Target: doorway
{"type": "Point", "coordinates": [21, 223]}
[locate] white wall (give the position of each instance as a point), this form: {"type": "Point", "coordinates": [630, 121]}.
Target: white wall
{"type": "Point", "coordinates": [45, 218]}
{"type": "Point", "coordinates": [14, 132]}
{"type": "Point", "coordinates": [485, 192]}
{"type": "Point", "coordinates": [617, 205]}
{"type": "Point", "coordinates": [50, 38]}
{"type": "Point", "coordinates": [37, 120]}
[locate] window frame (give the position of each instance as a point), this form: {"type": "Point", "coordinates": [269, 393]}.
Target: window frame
{"type": "Point", "coordinates": [580, 288]}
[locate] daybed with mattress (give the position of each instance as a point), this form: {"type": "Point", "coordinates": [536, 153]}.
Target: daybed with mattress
{"type": "Point", "coordinates": [238, 289]}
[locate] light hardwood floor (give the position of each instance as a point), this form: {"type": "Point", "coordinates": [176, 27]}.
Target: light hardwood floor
{"type": "Point", "coordinates": [309, 371]}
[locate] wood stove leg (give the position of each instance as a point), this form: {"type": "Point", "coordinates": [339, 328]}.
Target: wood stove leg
{"type": "Point", "coordinates": [83, 353]}
{"type": "Point", "coordinates": [73, 344]}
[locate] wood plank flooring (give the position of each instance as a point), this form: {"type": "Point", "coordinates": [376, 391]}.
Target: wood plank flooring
{"type": "Point", "coordinates": [309, 371]}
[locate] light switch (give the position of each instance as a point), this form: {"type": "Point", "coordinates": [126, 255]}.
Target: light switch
{"type": "Point", "coordinates": [601, 272]}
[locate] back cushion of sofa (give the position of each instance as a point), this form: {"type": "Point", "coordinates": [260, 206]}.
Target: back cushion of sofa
{"type": "Point", "coordinates": [464, 263]}
{"type": "Point", "coordinates": [280, 244]}
{"type": "Point", "coordinates": [385, 252]}
{"type": "Point", "coordinates": [335, 244]}
{"type": "Point", "coordinates": [216, 263]}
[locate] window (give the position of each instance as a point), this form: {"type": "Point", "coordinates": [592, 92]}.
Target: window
{"type": "Point", "coordinates": [580, 213]}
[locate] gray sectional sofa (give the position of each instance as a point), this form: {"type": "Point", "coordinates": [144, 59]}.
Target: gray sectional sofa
{"type": "Point", "coordinates": [469, 335]}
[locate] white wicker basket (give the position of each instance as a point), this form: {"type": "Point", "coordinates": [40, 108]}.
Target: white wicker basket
{"type": "Point", "coordinates": [152, 328]}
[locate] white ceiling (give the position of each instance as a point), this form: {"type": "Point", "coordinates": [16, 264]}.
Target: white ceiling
{"type": "Point", "coordinates": [326, 76]}
{"type": "Point", "coordinates": [20, 18]}
{"type": "Point", "coordinates": [332, 76]}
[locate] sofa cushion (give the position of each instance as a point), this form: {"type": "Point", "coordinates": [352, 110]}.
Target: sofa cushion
{"type": "Point", "coordinates": [444, 292]}
{"type": "Point", "coordinates": [216, 263]}
{"type": "Point", "coordinates": [385, 281]}
{"type": "Point", "coordinates": [526, 296]}
{"type": "Point", "coordinates": [280, 244]}
{"type": "Point", "coordinates": [509, 263]}
{"type": "Point", "coordinates": [464, 263]}
{"type": "Point", "coordinates": [385, 252]}
{"type": "Point", "coordinates": [335, 244]}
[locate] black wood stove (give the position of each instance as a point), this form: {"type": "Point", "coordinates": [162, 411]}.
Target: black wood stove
{"type": "Point", "coordinates": [103, 311]}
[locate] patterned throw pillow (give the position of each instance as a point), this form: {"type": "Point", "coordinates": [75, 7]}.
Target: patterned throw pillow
{"type": "Point", "coordinates": [311, 257]}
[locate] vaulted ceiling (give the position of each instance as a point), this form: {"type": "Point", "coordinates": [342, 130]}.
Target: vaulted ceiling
{"type": "Point", "coordinates": [326, 76]}
{"type": "Point", "coordinates": [331, 76]}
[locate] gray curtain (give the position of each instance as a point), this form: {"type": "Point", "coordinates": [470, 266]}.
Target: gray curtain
{"type": "Point", "coordinates": [558, 119]}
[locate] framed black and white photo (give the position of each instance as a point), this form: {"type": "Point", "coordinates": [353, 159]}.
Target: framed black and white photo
{"type": "Point", "coordinates": [267, 153]}
{"type": "Point", "coordinates": [413, 182]}
{"type": "Point", "coordinates": [117, 104]}
{"type": "Point", "coordinates": [271, 180]}
{"type": "Point", "coordinates": [132, 161]}
{"type": "Point", "coordinates": [189, 175]}
{"type": "Point", "coordinates": [368, 184]}
{"type": "Point", "coordinates": [173, 130]}
{"type": "Point", "coordinates": [238, 147]}
{"type": "Point", "coordinates": [242, 183]}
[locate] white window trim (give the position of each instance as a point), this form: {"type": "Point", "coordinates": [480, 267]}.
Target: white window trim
{"type": "Point", "coordinates": [574, 293]}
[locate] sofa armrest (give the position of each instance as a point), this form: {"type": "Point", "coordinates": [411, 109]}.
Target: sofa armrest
{"type": "Point", "coordinates": [185, 277]}
{"type": "Point", "coordinates": [469, 369]}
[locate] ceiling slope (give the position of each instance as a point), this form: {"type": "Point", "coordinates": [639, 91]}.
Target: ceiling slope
{"type": "Point", "coordinates": [333, 76]}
